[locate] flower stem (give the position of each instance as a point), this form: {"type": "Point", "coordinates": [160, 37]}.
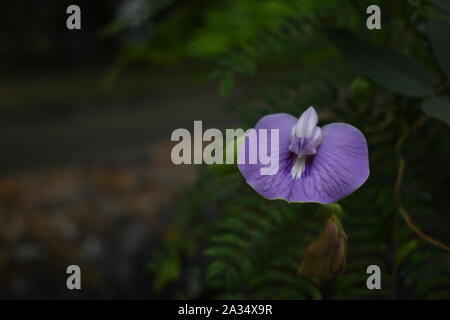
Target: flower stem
{"type": "Point", "coordinates": [398, 188]}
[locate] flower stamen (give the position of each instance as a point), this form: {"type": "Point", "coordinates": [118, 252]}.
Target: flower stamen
{"type": "Point", "coordinates": [298, 167]}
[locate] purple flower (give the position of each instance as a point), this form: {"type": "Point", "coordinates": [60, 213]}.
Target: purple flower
{"type": "Point", "coordinates": [315, 164]}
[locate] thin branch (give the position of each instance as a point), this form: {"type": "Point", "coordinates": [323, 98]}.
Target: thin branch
{"type": "Point", "coordinates": [398, 189]}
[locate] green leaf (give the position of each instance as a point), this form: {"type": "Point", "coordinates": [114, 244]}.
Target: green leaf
{"type": "Point", "coordinates": [439, 34]}
{"type": "Point", "coordinates": [220, 252]}
{"type": "Point", "coordinates": [405, 250]}
{"type": "Point", "coordinates": [438, 107]}
{"type": "Point", "coordinates": [386, 67]}
{"type": "Point", "coordinates": [444, 4]}
{"type": "Point", "coordinates": [215, 269]}
{"type": "Point", "coordinates": [168, 272]}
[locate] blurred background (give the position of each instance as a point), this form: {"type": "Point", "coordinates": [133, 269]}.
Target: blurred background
{"type": "Point", "coordinates": [86, 175]}
{"type": "Point", "coordinates": [85, 123]}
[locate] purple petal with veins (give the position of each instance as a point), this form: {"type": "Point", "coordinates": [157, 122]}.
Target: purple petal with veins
{"type": "Point", "coordinates": [315, 164]}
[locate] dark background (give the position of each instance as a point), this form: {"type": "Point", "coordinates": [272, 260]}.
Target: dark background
{"type": "Point", "coordinates": [85, 165]}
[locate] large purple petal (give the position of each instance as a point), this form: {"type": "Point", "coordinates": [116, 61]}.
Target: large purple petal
{"type": "Point", "coordinates": [340, 166]}
{"type": "Point", "coordinates": [269, 186]}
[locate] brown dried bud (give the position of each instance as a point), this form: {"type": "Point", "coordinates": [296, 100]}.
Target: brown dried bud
{"type": "Point", "coordinates": [325, 258]}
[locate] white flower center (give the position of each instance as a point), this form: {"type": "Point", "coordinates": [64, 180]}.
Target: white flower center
{"type": "Point", "coordinates": [306, 137]}
{"type": "Point", "coordinates": [298, 167]}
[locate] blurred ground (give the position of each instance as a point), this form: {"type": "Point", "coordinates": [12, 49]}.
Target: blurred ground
{"type": "Point", "coordinates": [86, 177]}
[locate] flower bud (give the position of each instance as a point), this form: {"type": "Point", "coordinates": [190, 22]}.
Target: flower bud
{"type": "Point", "coordinates": [325, 258]}
{"type": "Point", "coordinates": [359, 89]}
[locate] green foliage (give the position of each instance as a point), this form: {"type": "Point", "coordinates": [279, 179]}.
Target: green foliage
{"type": "Point", "coordinates": [223, 20]}
{"type": "Point", "coordinates": [386, 67]}
{"type": "Point", "coordinates": [425, 274]}
{"type": "Point", "coordinates": [256, 249]}
{"type": "Point", "coordinates": [400, 74]}
{"type": "Point", "coordinates": [249, 247]}
{"type": "Point", "coordinates": [169, 31]}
